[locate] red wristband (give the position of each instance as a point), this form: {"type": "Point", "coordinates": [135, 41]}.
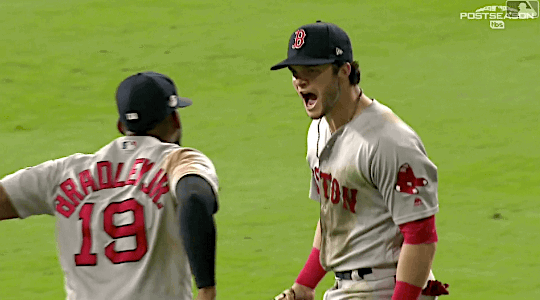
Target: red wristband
{"type": "Point", "coordinates": [312, 273]}
{"type": "Point", "coordinates": [406, 291]}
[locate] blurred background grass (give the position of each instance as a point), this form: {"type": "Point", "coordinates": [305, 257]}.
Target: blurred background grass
{"type": "Point", "coordinates": [469, 91]}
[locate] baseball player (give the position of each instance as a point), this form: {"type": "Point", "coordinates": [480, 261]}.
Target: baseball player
{"type": "Point", "coordinates": [370, 172]}
{"type": "Point", "coordinates": [135, 219]}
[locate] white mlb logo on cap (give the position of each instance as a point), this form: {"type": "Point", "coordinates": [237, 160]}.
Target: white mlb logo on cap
{"type": "Point", "coordinates": [132, 116]}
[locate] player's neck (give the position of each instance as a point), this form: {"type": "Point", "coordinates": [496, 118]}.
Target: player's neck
{"type": "Point", "coordinates": [350, 104]}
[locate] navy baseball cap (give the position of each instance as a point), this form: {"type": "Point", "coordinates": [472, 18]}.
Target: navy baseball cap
{"type": "Point", "coordinates": [147, 98]}
{"type": "Point", "coordinates": [317, 44]}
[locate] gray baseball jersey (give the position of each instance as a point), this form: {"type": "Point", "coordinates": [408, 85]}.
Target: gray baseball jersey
{"type": "Point", "coordinates": [369, 176]}
{"type": "Point", "coordinates": [117, 225]}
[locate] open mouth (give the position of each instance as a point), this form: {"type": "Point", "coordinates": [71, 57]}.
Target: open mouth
{"type": "Point", "coordinates": [310, 99]}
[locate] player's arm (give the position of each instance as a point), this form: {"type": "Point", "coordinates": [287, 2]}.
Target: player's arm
{"type": "Point", "coordinates": [317, 238]}
{"type": "Point", "coordinates": [194, 183]}
{"type": "Point", "coordinates": [313, 272]}
{"type": "Point", "coordinates": [310, 276]}
{"type": "Point", "coordinates": [25, 193]}
{"type": "Point", "coordinates": [416, 257]}
{"type": "Point", "coordinates": [197, 205]}
{"type": "Point", "coordinates": [408, 182]}
{"type": "Point", "coordinates": [6, 208]}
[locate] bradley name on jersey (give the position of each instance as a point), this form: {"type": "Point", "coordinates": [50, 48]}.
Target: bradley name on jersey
{"type": "Point", "coordinates": [77, 189]}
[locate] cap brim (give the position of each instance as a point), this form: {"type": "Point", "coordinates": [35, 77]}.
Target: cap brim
{"type": "Point", "coordinates": [302, 61]}
{"type": "Point", "coordinates": [184, 102]}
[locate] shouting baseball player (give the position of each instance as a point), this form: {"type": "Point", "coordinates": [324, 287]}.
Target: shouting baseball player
{"type": "Point", "coordinates": [135, 219]}
{"type": "Point", "coordinates": [376, 186]}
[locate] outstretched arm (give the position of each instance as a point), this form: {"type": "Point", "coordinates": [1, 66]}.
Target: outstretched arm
{"type": "Point", "coordinates": [6, 208]}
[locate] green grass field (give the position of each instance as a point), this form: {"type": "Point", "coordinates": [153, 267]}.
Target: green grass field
{"type": "Point", "coordinates": [471, 93]}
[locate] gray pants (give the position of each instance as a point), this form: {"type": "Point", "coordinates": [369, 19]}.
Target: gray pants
{"type": "Point", "coordinates": [376, 286]}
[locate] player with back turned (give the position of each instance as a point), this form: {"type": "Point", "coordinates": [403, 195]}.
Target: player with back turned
{"type": "Point", "coordinates": [135, 219]}
{"type": "Point", "coordinates": [370, 172]}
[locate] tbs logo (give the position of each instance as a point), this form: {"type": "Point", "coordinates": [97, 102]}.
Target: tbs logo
{"type": "Point", "coordinates": [497, 24]}
{"type": "Point", "coordinates": [129, 145]}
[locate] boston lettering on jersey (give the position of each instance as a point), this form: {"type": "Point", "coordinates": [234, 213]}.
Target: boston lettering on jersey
{"type": "Point", "coordinates": [335, 192]}
{"type": "Point", "coordinates": [77, 189]}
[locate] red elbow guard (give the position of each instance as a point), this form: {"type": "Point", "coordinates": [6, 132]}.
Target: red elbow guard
{"type": "Point", "coordinates": [420, 231]}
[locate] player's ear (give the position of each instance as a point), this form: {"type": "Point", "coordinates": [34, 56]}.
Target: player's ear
{"type": "Point", "coordinates": [345, 70]}
{"type": "Point", "coordinates": [176, 119]}
{"type": "Point", "coordinates": [120, 127]}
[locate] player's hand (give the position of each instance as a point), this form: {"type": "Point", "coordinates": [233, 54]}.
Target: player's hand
{"type": "Point", "coordinates": [297, 292]}
{"type": "Point", "coordinates": [303, 292]}
{"type": "Point", "coordinates": [207, 293]}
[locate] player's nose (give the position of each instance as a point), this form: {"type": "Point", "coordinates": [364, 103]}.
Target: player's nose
{"type": "Point", "coordinates": [300, 82]}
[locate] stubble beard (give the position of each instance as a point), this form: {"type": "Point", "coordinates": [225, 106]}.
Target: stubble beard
{"type": "Point", "coordinates": [330, 99]}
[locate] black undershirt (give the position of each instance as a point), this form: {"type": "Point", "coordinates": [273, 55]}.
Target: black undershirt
{"type": "Point", "coordinates": [197, 204]}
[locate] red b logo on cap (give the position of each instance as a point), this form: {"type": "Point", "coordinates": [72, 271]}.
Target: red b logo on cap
{"type": "Point", "coordinates": [300, 35]}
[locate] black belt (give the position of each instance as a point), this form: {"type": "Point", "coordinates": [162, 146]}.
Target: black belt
{"type": "Point", "coordinates": [347, 275]}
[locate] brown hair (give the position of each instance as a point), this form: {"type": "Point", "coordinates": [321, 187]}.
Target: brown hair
{"type": "Point", "coordinates": [354, 77]}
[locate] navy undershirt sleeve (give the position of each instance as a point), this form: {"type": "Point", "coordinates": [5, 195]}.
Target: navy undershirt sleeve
{"type": "Point", "coordinates": [197, 204]}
